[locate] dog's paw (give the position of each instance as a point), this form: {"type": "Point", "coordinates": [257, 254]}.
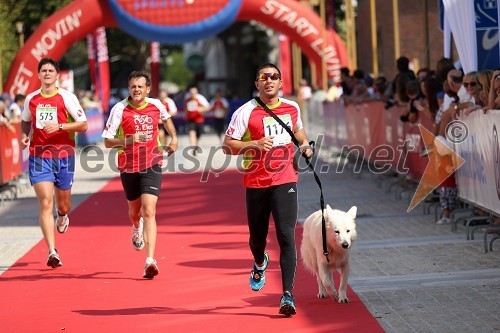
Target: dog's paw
{"type": "Point", "coordinates": [334, 295]}
{"type": "Point", "coordinates": [322, 295]}
{"type": "Point", "coordinates": [343, 298]}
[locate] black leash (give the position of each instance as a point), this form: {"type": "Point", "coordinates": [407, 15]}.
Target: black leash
{"type": "Point", "coordinates": [309, 164]}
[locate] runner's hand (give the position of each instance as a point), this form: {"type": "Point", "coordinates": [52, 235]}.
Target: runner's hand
{"type": "Point", "coordinates": [266, 143]}
{"type": "Point", "coordinates": [25, 141]}
{"type": "Point", "coordinates": [51, 127]}
{"type": "Point", "coordinates": [140, 137]}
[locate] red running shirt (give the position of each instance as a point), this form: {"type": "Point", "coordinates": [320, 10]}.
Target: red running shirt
{"type": "Point", "coordinates": [60, 107]}
{"type": "Point", "coordinates": [192, 106]}
{"type": "Point", "coordinates": [125, 120]}
{"type": "Point", "coordinates": [252, 122]}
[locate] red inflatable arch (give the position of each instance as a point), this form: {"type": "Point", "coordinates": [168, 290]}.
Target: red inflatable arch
{"type": "Point", "coordinates": [81, 17]}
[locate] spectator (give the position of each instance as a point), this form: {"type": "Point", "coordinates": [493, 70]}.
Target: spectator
{"type": "Point", "coordinates": [333, 93]}
{"type": "Point", "coordinates": [423, 73]}
{"type": "Point", "coordinates": [494, 93]}
{"type": "Point", "coordinates": [347, 82]}
{"type": "Point", "coordinates": [410, 113]}
{"type": "Point", "coordinates": [305, 91]}
{"type": "Point", "coordinates": [399, 83]}
{"type": "Point", "coordinates": [432, 89]}
{"type": "Point", "coordinates": [15, 109]}
{"type": "Point", "coordinates": [359, 91]}
{"type": "Point", "coordinates": [484, 79]}
{"type": "Point", "coordinates": [443, 67]}
{"type": "Point", "coordinates": [381, 86]}
{"type": "Point", "coordinates": [3, 120]}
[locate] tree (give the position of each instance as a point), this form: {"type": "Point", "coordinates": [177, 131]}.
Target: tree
{"type": "Point", "coordinates": [31, 14]}
{"type": "Point", "coordinates": [174, 70]}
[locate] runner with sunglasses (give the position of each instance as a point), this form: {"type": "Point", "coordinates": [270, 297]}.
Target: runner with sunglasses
{"type": "Point", "coordinates": [271, 176]}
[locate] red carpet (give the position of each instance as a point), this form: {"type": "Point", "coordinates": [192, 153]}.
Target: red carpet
{"type": "Point", "coordinates": [204, 262]}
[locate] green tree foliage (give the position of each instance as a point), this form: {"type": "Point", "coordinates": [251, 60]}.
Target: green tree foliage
{"type": "Point", "coordinates": [174, 70]}
{"type": "Point", "coordinates": [31, 14]}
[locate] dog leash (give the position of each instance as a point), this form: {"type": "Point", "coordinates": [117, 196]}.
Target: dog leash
{"type": "Point", "coordinates": [309, 164]}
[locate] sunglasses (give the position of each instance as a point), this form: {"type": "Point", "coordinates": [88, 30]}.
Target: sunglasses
{"type": "Point", "coordinates": [265, 76]}
{"type": "Point", "coordinates": [456, 79]}
{"type": "Point", "coordinates": [472, 84]}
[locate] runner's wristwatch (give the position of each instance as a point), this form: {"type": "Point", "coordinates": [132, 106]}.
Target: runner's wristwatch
{"type": "Point", "coordinates": [60, 127]}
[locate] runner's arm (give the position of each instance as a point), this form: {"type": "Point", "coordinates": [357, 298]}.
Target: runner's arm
{"type": "Point", "coordinates": [123, 142]}
{"type": "Point", "coordinates": [77, 126]}
{"type": "Point", "coordinates": [304, 147]}
{"type": "Point", "coordinates": [173, 145]}
{"type": "Point", "coordinates": [235, 147]}
{"type": "Point", "coordinates": [25, 132]}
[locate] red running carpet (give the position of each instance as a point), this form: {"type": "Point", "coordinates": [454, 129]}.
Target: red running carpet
{"type": "Point", "coordinates": [204, 259]}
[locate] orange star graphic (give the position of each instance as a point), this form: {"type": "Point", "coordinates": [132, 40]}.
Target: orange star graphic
{"type": "Point", "coordinates": [441, 165]}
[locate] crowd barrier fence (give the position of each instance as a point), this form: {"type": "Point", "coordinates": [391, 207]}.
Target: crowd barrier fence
{"type": "Point", "coordinates": [379, 135]}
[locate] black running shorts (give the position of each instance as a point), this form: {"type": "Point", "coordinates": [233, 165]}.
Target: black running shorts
{"type": "Point", "coordinates": [137, 183]}
{"type": "Point", "coordinates": [194, 126]}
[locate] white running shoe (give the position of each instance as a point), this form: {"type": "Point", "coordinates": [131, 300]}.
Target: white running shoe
{"type": "Point", "coordinates": [62, 223]}
{"type": "Point", "coordinates": [54, 259]}
{"type": "Point", "coordinates": [444, 220]}
{"type": "Point", "coordinates": [137, 236]}
{"type": "Point", "coordinates": [151, 268]}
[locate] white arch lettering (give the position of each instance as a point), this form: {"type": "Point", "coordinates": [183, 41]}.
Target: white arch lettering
{"type": "Point", "coordinates": [49, 39]}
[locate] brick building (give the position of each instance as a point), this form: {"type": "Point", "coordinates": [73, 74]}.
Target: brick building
{"type": "Point", "coordinates": [420, 38]}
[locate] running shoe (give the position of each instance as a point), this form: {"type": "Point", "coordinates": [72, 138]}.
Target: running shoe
{"type": "Point", "coordinates": [258, 275]}
{"type": "Point", "coordinates": [151, 268]}
{"type": "Point", "coordinates": [54, 260]}
{"type": "Point", "coordinates": [287, 305]}
{"type": "Point", "coordinates": [137, 236]}
{"type": "Point", "coordinates": [444, 220]}
{"type": "Point", "coordinates": [62, 223]}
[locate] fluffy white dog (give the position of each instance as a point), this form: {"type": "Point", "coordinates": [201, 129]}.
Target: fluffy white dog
{"type": "Point", "coordinates": [340, 235]}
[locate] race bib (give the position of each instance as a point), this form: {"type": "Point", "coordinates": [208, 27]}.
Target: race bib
{"type": "Point", "coordinates": [192, 106]}
{"type": "Point", "coordinates": [45, 114]}
{"type": "Point", "coordinates": [273, 128]}
{"type": "Point", "coordinates": [219, 113]}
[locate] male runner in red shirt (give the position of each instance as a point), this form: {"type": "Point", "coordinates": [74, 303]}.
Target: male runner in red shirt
{"type": "Point", "coordinates": [56, 114]}
{"type": "Point", "coordinates": [271, 177]}
{"type": "Point", "coordinates": [132, 127]}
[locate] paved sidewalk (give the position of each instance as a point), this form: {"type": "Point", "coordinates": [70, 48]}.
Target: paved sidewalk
{"type": "Point", "coordinates": [413, 275]}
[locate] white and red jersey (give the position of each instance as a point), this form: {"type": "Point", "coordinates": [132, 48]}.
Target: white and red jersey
{"type": "Point", "coordinates": [252, 122]}
{"type": "Point", "coordinates": [170, 106]}
{"type": "Point", "coordinates": [192, 105]}
{"type": "Point", "coordinates": [60, 107]}
{"type": "Point", "coordinates": [125, 120]}
{"type": "Point", "coordinates": [219, 106]}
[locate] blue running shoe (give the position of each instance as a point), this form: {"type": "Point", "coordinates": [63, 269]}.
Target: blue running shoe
{"type": "Point", "coordinates": [258, 275]}
{"type": "Point", "coordinates": [287, 305]}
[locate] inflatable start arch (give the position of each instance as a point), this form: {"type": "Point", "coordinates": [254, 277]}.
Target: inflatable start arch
{"type": "Point", "coordinates": [172, 22]}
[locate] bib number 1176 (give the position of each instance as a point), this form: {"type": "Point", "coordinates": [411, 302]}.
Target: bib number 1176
{"type": "Point", "coordinates": [273, 128]}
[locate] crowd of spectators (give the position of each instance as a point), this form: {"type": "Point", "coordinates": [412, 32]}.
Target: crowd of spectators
{"type": "Point", "coordinates": [439, 94]}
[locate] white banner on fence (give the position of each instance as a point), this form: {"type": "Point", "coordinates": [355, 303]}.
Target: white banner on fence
{"type": "Point", "coordinates": [479, 177]}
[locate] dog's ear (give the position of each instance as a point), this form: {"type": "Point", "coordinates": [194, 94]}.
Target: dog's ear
{"type": "Point", "coordinates": [352, 212]}
{"type": "Point", "coordinates": [327, 212]}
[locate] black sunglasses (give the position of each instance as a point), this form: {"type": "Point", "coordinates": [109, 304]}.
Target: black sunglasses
{"type": "Point", "coordinates": [265, 76]}
{"type": "Point", "coordinates": [472, 84]}
{"type": "Point", "coordinates": [456, 79]}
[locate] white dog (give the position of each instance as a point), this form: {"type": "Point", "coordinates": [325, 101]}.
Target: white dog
{"type": "Point", "coordinates": [340, 235]}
